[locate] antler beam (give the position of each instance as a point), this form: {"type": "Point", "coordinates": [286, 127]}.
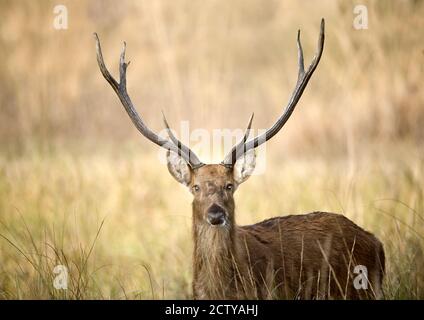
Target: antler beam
{"type": "Point", "coordinates": [121, 90]}
{"type": "Point", "coordinates": [302, 81]}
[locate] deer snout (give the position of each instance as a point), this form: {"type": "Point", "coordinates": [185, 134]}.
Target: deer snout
{"type": "Point", "coordinates": [216, 215]}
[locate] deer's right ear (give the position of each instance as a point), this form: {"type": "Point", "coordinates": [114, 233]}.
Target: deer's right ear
{"type": "Point", "coordinates": [178, 168]}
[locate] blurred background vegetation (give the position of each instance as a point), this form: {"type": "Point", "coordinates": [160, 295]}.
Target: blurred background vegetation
{"type": "Point", "coordinates": [70, 158]}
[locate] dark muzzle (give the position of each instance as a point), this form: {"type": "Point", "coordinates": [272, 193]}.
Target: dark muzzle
{"type": "Point", "coordinates": [216, 215]}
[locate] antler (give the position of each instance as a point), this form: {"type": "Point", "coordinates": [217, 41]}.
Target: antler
{"type": "Point", "coordinates": [121, 90]}
{"type": "Point", "coordinates": [302, 80]}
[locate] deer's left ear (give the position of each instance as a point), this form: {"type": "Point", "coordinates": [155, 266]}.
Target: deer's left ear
{"type": "Point", "coordinates": [178, 168]}
{"type": "Point", "coordinates": [244, 166]}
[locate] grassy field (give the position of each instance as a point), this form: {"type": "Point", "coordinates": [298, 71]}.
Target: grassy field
{"type": "Point", "coordinates": [80, 188]}
{"type": "Point", "coordinates": [122, 225]}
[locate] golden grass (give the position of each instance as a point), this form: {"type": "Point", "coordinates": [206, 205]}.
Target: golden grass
{"type": "Point", "coordinates": [72, 193]}
{"type": "Point", "coordinates": [122, 225]}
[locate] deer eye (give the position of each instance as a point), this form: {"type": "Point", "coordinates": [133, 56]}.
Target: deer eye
{"type": "Point", "coordinates": [196, 188]}
{"type": "Point", "coordinates": [229, 186]}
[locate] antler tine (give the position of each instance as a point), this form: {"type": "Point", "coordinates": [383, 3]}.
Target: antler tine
{"type": "Point", "coordinates": [239, 146]}
{"type": "Point", "coordinates": [105, 72]}
{"type": "Point", "coordinates": [121, 91]}
{"type": "Point", "coordinates": [300, 57]}
{"type": "Point", "coordinates": [249, 125]}
{"type": "Point", "coordinates": [181, 146]}
{"type": "Point", "coordinates": [302, 81]}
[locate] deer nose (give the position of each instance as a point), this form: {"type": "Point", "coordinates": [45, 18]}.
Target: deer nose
{"type": "Point", "coordinates": [216, 215]}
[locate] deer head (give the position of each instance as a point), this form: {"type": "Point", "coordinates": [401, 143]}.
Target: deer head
{"type": "Point", "coordinates": [212, 185]}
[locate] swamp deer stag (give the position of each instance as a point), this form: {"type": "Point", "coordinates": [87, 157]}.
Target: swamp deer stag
{"type": "Point", "coordinates": [311, 256]}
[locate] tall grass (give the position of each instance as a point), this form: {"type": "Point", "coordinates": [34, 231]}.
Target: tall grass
{"type": "Point", "coordinates": [73, 193]}
{"type": "Point", "coordinates": [122, 225]}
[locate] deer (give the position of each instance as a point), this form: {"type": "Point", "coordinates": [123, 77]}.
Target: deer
{"type": "Point", "coordinates": [300, 256]}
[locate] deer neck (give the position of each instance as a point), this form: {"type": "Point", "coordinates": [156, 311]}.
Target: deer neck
{"type": "Point", "coordinates": [214, 258]}
{"type": "Point", "coordinates": [214, 243]}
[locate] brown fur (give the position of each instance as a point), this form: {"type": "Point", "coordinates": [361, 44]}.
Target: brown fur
{"type": "Point", "coordinates": [308, 256]}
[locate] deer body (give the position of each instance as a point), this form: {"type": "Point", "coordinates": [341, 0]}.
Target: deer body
{"type": "Point", "coordinates": [311, 256]}
{"type": "Point", "coordinates": [292, 257]}
{"type": "Point", "coordinates": [308, 256]}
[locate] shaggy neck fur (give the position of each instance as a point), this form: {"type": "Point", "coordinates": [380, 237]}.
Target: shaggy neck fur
{"type": "Point", "coordinates": [214, 259]}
